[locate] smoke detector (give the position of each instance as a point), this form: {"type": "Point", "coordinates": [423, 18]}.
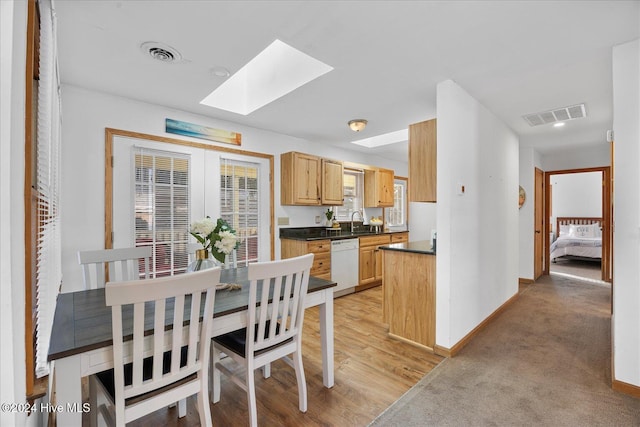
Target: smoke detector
{"type": "Point", "coordinates": [556, 115]}
{"type": "Point", "coordinates": [161, 52]}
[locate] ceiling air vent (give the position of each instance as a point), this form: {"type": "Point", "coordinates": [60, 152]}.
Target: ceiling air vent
{"type": "Point", "coordinates": [556, 115]}
{"type": "Point", "coordinates": [160, 52]}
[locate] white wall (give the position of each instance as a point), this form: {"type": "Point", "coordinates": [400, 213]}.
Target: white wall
{"type": "Point", "coordinates": [576, 194]}
{"type": "Point", "coordinates": [590, 156]}
{"type": "Point", "coordinates": [87, 113]}
{"type": "Point", "coordinates": [529, 160]}
{"type": "Point", "coordinates": [626, 247]}
{"type": "Point", "coordinates": [422, 220]}
{"type": "Point", "coordinates": [477, 262]}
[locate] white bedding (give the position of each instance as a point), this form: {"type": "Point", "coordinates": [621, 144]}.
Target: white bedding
{"type": "Point", "coordinates": [568, 245]}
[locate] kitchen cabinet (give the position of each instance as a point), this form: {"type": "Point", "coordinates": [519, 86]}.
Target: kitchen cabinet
{"type": "Point", "coordinates": [409, 286]}
{"type": "Point", "coordinates": [309, 180]}
{"type": "Point", "coordinates": [378, 188]}
{"type": "Point", "coordinates": [400, 237]}
{"type": "Point", "coordinates": [370, 272]}
{"type": "Point", "coordinates": [332, 182]}
{"type": "Point", "coordinates": [422, 161]}
{"type": "Point", "coordinates": [321, 249]}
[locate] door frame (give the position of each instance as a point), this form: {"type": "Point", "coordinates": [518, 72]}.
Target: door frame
{"type": "Point", "coordinates": [607, 237]}
{"type": "Point", "coordinates": [539, 203]}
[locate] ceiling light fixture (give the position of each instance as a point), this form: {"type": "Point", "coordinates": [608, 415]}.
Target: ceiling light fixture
{"type": "Point", "coordinates": [357, 125]}
{"type": "Point", "coordinates": [558, 125]}
{"type": "Point", "coordinates": [220, 72]}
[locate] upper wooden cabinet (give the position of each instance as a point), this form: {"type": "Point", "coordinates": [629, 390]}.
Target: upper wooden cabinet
{"type": "Point", "coordinates": [422, 161]}
{"type": "Point", "coordinates": [310, 180]}
{"type": "Point", "coordinates": [378, 188]}
{"type": "Point", "coordinates": [332, 182]}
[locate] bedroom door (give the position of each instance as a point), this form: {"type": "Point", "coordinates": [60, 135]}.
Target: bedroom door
{"type": "Point", "coordinates": [538, 236]}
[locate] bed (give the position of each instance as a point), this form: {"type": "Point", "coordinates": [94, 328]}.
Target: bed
{"type": "Point", "coordinates": [578, 238]}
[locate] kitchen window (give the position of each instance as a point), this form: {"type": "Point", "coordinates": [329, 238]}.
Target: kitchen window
{"type": "Point", "coordinates": [396, 217]}
{"type": "Point", "coordinates": [353, 195]}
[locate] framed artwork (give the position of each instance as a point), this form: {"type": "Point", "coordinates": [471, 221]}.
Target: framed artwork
{"type": "Point", "coordinates": [202, 132]}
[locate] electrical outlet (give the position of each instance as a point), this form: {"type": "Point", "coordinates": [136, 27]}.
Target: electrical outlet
{"type": "Point", "coordinates": [318, 219]}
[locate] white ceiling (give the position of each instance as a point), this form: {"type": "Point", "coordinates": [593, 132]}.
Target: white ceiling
{"type": "Point", "coordinates": [515, 57]}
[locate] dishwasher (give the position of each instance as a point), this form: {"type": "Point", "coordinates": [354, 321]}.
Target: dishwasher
{"type": "Point", "coordinates": [344, 265]}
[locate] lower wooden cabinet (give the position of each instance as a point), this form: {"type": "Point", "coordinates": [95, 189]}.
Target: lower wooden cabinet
{"type": "Point", "coordinates": [409, 296]}
{"type": "Point", "coordinates": [321, 249]}
{"type": "Point", "coordinates": [371, 260]}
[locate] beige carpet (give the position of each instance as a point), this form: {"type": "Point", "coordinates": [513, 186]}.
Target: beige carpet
{"type": "Point", "coordinates": [577, 269]}
{"type": "Point", "coordinates": [545, 361]}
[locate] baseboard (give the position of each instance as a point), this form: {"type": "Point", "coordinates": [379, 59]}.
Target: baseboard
{"type": "Point", "coordinates": [413, 343]}
{"type": "Point", "coordinates": [626, 388]}
{"type": "Point", "coordinates": [524, 281]}
{"type": "Point", "coordinates": [451, 352]}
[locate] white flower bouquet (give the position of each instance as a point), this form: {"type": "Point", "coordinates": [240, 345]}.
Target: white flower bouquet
{"type": "Point", "coordinates": [218, 237]}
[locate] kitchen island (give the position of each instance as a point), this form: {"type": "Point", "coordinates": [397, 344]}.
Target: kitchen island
{"type": "Point", "coordinates": [409, 292]}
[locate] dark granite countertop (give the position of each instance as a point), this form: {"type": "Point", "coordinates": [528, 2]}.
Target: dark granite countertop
{"type": "Point", "coordinates": [322, 233]}
{"type": "Point", "coordinates": [419, 247]}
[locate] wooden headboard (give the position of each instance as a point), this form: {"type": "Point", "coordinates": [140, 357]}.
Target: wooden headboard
{"type": "Point", "coordinates": [577, 220]}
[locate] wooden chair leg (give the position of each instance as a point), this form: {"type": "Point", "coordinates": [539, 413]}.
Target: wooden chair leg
{"type": "Point", "coordinates": [93, 402]}
{"type": "Point", "coordinates": [266, 370]}
{"type": "Point", "coordinates": [203, 407]}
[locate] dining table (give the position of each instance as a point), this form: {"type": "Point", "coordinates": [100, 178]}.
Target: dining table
{"type": "Point", "coordinates": [81, 335]}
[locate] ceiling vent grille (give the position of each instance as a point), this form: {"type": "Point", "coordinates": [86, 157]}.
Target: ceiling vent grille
{"type": "Point", "coordinates": [556, 115]}
{"type": "Point", "coordinates": [160, 52]}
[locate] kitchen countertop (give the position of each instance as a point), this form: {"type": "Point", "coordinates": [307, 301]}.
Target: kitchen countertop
{"type": "Point", "coordinates": [322, 233]}
{"type": "Point", "coordinates": [419, 247]}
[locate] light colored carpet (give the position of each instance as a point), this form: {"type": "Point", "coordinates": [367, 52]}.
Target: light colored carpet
{"type": "Point", "coordinates": [545, 361]}
{"type": "Point", "coordinates": [588, 270]}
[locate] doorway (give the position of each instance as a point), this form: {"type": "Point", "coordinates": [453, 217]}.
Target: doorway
{"type": "Point", "coordinates": [577, 205]}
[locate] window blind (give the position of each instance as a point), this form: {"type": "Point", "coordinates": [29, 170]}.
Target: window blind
{"type": "Point", "coordinates": [239, 205]}
{"type": "Point", "coordinates": [48, 260]}
{"type": "Point", "coordinates": [162, 208]}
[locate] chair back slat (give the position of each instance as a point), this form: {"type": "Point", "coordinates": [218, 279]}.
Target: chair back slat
{"type": "Point", "coordinates": [282, 286]}
{"type": "Point", "coordinates": [151, 300]}
{"type": "Point", "coordinates": [158, 340]}
{"type": "Point", "coordinates": [122, 264]}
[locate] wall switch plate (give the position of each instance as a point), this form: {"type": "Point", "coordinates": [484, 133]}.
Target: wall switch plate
{"type": "Point", "coordinates": [283, 220]}
{"type": "Point", "coordinates": [317, 219]}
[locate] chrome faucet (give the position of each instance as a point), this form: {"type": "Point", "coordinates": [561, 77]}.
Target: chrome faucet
{"type": "Point", "coordinates": [352, 215]}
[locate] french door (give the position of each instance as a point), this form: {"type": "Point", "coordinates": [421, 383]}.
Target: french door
{"type": "Point", "coordinates": [160, 188]}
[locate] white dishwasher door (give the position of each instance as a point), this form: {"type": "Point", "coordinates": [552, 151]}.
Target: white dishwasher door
{"type": "Point", "coordinates": [344, 265]}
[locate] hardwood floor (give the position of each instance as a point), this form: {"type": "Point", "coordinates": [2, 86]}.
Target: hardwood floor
{"type": "Point", "coordinates": [371, 372]}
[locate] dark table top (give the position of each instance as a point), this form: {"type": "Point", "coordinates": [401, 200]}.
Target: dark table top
{"type": "Point", "coordinates": [419, 247]}
{"type": "Point", "coordinates": [82, 321]}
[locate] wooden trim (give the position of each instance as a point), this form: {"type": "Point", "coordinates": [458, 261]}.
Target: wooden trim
{"type": "Point", "coordinates": [441, 351]}
{"type": "Point", "coordinates": [451, 352]}
{"type": "Point", "coordinates": [110, 133]}
{"type": "Point", "coordinates": [626, 388]}
{"type": "Point", "coordinates": [524, 281]}
{"type": "Point", "coordinates": [30, 206]}
{"type": "Point", "coordinates": [607, 234]}
{"type": "Point", "coordinates": [413, 343]}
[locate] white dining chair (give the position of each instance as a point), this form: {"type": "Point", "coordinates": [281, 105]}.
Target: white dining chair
{"type": "Point", "coordinates": [275, 317]}
{"type": "Point", "coordinates": [147, 377]}
{"type": "Point", "coordinates": [122, 264]}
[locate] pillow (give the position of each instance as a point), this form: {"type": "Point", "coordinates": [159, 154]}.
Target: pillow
{"type": "Point", "coordinates": [583, 230]}
{"type": "Point", "coordinates": [564, 230]}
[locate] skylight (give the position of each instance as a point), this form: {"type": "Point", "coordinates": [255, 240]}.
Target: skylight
{"type": "Point", "coordinates": [273, 73]}
{"type": "Point", "coordinates": [384, 139]}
